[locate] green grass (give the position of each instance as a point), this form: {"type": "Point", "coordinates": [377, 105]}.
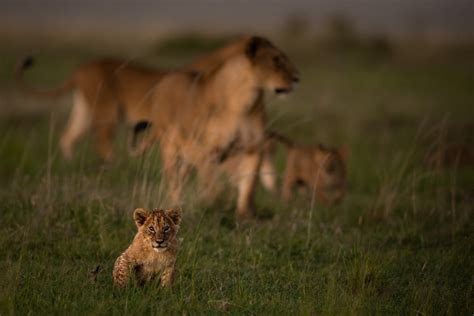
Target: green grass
{"type": "Point", "coordinates": [400, 243]}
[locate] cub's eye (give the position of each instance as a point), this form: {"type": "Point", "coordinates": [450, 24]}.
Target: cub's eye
{"type": "Point", "coordinates": [167, 228]}
{"type": "Point", "coordinates": [151, 229]}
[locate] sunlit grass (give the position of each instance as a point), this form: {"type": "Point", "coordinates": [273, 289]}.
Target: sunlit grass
{"type": "Point", "coordinates": [400, 243]}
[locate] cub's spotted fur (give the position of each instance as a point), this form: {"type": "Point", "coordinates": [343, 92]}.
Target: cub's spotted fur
{"type": "Point", "coordinates": [153, 250]}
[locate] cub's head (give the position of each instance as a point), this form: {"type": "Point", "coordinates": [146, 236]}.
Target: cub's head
{"type": "Point", "coordinates": [158, 227]}
{"type": "Point", "coordinates": [330, 173]}
{"type": "Point", "coordinates": [272, 67]}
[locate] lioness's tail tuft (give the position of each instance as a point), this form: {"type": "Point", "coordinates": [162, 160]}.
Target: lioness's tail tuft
{"type": "Point", "coordinates": [27, 62]}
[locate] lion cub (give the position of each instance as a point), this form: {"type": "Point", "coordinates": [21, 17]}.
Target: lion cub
{"type": "Point", "coordinates": [317, 168]}
{"type": "Point", "coordinates": [153, 250]}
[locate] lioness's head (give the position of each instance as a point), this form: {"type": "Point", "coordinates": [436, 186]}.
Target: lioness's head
{"type": "Point", "coordinates": [273, 68]}
{"type": "Point", "coordinates": [158, 227]}
{"type": "Point", "coordinates": [331, 173]}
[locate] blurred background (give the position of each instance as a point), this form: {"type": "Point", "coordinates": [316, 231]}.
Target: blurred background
{"type": "Point", "coordinates": [390, 80]}
{"type": "Point", "coordinates": [143, 22]}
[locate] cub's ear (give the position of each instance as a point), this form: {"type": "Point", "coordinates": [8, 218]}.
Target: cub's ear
{"type": "Point", "coordinates": [139, 216]}
{"type": "Point", "coordinates": [344, 152]}
{"type": "Point", "coordinates": [254, 44]}
{"type": "Point", "coordinates": [175, 215]}
{"type": "Point", "coordinates": [322, 147]}
{"type": "Point", "coordinates": [320, 153]}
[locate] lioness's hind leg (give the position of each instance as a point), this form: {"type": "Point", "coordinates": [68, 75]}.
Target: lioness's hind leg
{"type": "Point", "coordinates": [105, 132]}
{"type": "Point", "coordinates": [105, 121]}
{"type": "Point", "coordinates": [79, 122]}
{"type": "Point", "coordinates": [135, 148]}
{"type": "Point", "coordinates": [268, 175]}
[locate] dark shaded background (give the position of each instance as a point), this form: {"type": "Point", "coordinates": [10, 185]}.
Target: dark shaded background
{"type": "Point", "coordinates": [146, 21]}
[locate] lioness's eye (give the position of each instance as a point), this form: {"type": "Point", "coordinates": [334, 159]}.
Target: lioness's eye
{"type": "Point", "coordinates": [151, 229]}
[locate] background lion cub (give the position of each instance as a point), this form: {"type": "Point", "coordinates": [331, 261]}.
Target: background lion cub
{"type": "Point", "coordinates": [153, 250]}
{"type": "Point", "coordinates": [317, 168]}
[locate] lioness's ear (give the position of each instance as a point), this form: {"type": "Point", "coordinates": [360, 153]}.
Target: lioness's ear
{"type": "Point", "coordinates": [175, 215]}
{"type": "Point", "coordinates": [252, 47]}
{"type": "Point", "coordinates": [139, 216]}
{"type": "Point", "coordinates": [254, 44]}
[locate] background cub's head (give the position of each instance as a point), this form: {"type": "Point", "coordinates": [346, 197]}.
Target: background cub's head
{"type": "Point", "coordinates": [273, 68]}
{"type": "Point", "coordinates": [157, 227]}
{"type": "Point", "coordinates": [331, 169]}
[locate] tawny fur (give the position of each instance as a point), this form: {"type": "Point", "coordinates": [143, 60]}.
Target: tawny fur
{"type": "Point", "coordinates": [107, 91]}
{"type": "Point", "coordinates": [215, 120]}
{"type": "Point", "coordinates": [319, 169]}
{"type": "Point", "coordinates": [153, 250]}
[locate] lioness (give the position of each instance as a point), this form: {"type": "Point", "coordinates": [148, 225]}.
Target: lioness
{"type": "Point", "coordinates": [108, 90]}
{"type": "Point", "coordinates": [104, 90]}
{"type": "Point", "coordinates": [153, 250]}
{"type": "Point", "coordinates": [319, 169]}
{"type": "Point", "coordinates": [215, 120]}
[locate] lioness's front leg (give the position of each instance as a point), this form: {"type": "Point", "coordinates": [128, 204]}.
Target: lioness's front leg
{"type": "Point", "coordinates": [175, 171]}
{"type": "Point", "coordinates": [246, 177]}
{"type": "Point", "coordinates": [268, 174]}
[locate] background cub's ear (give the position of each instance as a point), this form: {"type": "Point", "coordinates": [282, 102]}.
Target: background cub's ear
{"type": "Point", "coordinates": [175, 215]}
{"type": "Point", "coordinates": [344, 152]}
{"type": "Point", "coordinates": [321, 153]}
{"type": "Point", "coordinates": [139, 216]}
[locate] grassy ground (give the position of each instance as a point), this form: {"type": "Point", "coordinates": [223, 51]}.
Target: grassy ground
{"type": "Point", "coordinates": [400, 243]}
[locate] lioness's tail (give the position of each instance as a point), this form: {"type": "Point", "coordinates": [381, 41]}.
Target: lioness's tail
{"type": "Point", "coordinates": [274, 136]}
{"type": "Point", "coordinates": [26, 63]}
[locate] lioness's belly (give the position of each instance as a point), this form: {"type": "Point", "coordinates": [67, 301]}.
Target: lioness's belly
{"type": "Point", "coordinates": [217, 143]}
